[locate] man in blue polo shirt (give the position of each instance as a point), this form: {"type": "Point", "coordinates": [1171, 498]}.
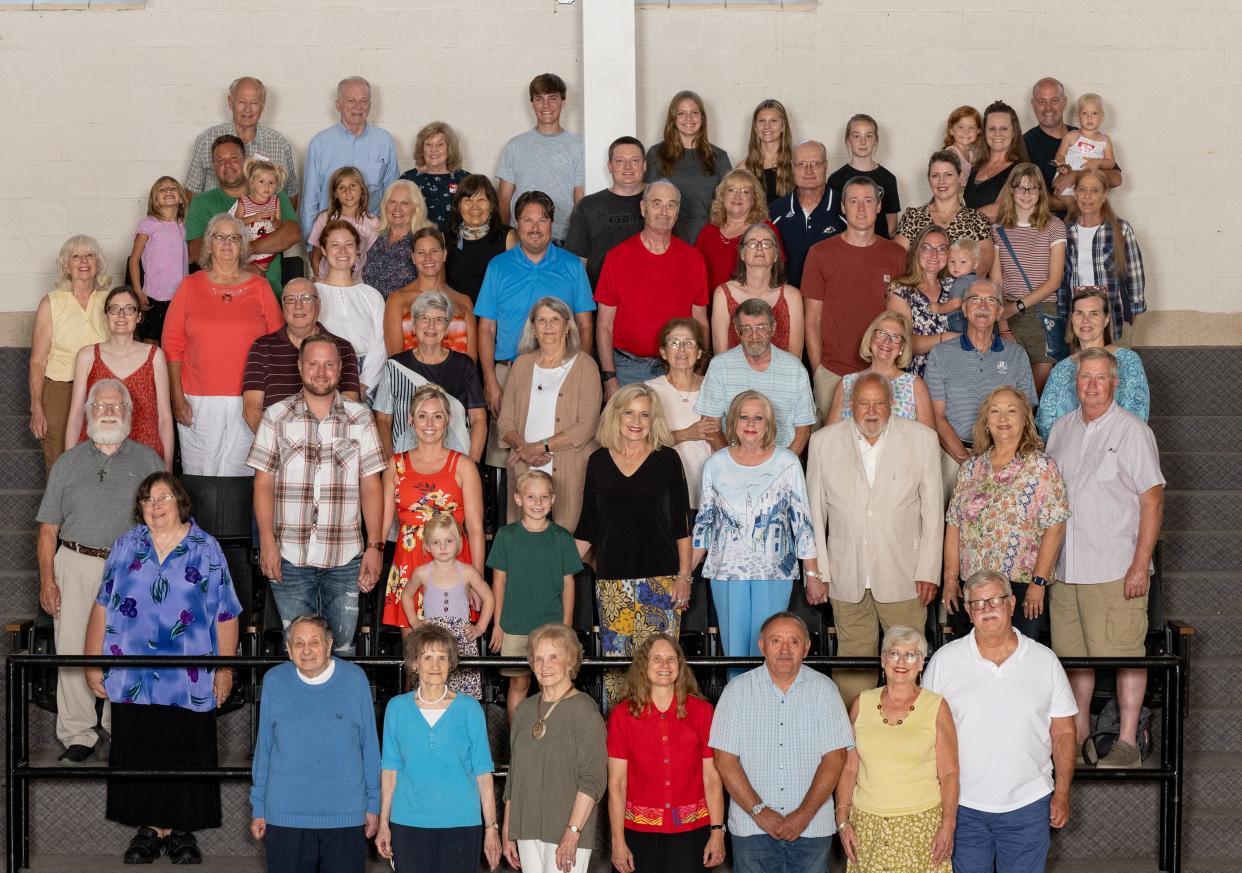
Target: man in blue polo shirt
{"type": "Point", "coordinates": [514, 282]}
{"type": "Point", "coordinates": [811, 213]}
{"type": "Point", "coordinates": [961, 372]}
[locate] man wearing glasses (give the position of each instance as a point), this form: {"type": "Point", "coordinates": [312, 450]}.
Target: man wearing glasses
{"type": "Point", "coordinates": [1014, 711]}
{"type": "Point", "coordinates": [272, 365]}
{"type": "Point", "coordinates": [811, 213]}
{"type": "Point", "coordinates": [961, 372]}
{"type": "Point", "coordinates": [755, 364]}
{"type": "Point", "coordinates": [844, 284]}
{"type": "Point", "coordinates": [87, 505]}
{"type": "Point", "coordinates": [647, 280]}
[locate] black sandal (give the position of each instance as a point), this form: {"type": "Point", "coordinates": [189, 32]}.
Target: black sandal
{"type": "Point", "coordinates": [145, 847]}
{"type": "Point", "coordinates": [183, 848]}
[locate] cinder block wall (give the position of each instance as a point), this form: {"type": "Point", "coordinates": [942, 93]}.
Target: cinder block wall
{"type": "Point", "coordinates": [103, 101]}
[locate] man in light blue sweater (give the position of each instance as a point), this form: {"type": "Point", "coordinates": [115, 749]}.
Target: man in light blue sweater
{"type": "Point", "coordinates": [316, 772]}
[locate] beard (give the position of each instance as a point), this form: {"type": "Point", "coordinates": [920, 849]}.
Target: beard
{"type": "Point", "coordinates": [107, 434]}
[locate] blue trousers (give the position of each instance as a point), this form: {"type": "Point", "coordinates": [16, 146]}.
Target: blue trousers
{"type": "Point", "coordinates": [1015, 841]}
{"type": "Point", "coordinates": [307, 850]}
{"type": "Point", "coordinates": [743, 606]}
{"type": "Point", "coordinates": [764, 854]}
{"type": "Point", "coordinates": [632, 368]}
{"type": "Point", "coordinates": [331, 592]}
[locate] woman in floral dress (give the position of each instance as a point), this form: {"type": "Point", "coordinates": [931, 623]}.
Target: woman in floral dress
{"type": "Point", "coordinates": [429, 479]}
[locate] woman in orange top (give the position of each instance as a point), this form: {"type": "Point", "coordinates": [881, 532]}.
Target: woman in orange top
{"type": "Point", "coordinates": [429, 253]}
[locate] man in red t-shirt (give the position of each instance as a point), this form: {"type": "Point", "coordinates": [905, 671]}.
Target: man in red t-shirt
{"type": "Point", "coordinates": [650, 278]}
{"type": "Point", "coordinates": [844, 284]}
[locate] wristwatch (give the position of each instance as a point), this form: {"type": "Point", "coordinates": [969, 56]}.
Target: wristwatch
{"type": "Point", "coordinates": [1040, 581]}
{"type": "Point", "coordinates": [492, 826]}
{"type": "Point", "coordinates": [609, 375]}
{"type": "Point", "coordinates": [719, 827]}
{"type": "Point", "coordinates": [1020, 305]}
{"type": "Point", "coordinates": [757, 808]}
{"type": "Point", "coordinates": [379, 547]}
{"type": "Point", "coordinates": [574, 829]}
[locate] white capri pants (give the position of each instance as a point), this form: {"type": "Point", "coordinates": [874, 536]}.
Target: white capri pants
{"type": "Point", "coordinates": [218, 441]}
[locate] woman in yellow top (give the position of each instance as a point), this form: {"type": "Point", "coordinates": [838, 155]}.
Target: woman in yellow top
{"type": "Point", "coordinates": [896, 800]}
{"type": "Point", "coordinates": [69, 317]}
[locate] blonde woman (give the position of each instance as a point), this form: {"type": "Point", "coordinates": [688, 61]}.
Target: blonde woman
{"type": "Point", "coordinates": [738, 204]}
{"type": "Point", "coordinates": [769, 154]}
{"type": "Point", "coordinates": [887, 347]}
{"type": "Point", "coordinates": [635, 516]}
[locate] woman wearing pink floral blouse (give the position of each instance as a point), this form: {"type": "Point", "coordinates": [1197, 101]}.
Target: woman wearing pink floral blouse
{"type": "Point", "coordinates": [1007, 514]}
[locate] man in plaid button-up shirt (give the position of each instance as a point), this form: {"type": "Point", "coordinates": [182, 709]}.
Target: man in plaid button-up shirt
{"type": "Point", "coordinates": [317, 462]}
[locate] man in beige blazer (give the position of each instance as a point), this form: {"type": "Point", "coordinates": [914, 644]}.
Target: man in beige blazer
{"type": "Point", "coordinates": [875, 490]}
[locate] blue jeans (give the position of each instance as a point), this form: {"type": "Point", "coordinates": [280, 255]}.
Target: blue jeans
{"type": "Point", "coordinates": [632, 368]}
{"type": "Point", "coordinates": [1015, 841]}
{"type": "Point", "coordinates": [764, 854]}
{"type": "Point", "coordinates": [331, 592]}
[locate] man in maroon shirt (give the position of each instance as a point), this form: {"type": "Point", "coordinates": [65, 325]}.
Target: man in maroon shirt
{"type": "Point", "coordinates": [272, 366]}
{"type": "Point", "coordinates": [844, 285]}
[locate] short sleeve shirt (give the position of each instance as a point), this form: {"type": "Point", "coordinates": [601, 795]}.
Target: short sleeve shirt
{"type": "Point", "coordinates": [785, 383]}
{"type": "Point", "coordinates": [553, 164]}
{"type": "Point", "coordinates": [958, 374]}
{"type": "Point", "coordinates": [535, 566]}
{"type": "Point", "coordinates": [90, 495]}
{"type": "Point", "coordinates": [781, 739]}
{"type": "Point", "coordinates": [1033, 247]}
{"type": "Point", "coordinates": [664, 765]}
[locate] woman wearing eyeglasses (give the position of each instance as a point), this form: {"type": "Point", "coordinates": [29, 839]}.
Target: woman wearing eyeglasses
{"type": "Point", "coordinates": [759, 271]}
{"type": "Point", "coordinates": [213, 320]}
{"type": "Point", "coordinates": [738, 204]}
{"type": "Point", "coordinates": [1007, 513]}
{"type": "Point", "coordinates": [886, 345]}
{"type": "Point", "coordinates": [925, 281]}
{"type": "Point", "coordinates": [140, 366]}
{"type": "Point", "coordinates": [896, 800]}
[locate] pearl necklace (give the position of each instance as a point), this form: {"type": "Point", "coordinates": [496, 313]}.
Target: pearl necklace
{"type": "Point", "coordinates": [418, 695]}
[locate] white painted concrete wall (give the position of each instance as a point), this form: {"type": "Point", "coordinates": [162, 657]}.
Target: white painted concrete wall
{"type": "Point", "coordinates": [102, 102]}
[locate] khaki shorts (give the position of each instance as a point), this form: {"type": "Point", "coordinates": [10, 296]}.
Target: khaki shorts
{"type": "Point", "coordinates": [514, 646]}
{"type": "Point", "coordinates": [1028, 330]}
{"type": "Point", "coordinates": [823, 385]}
{"type": "Point", "coordinates": [1095, 621]}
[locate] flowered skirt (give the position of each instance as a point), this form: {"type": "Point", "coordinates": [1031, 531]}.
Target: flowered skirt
{"type": "Point", "coordinates": [630, 611]}
{"type": "Point", "coordinates": [463, 680]}
{"type": "Point", "coordinates": [896, 844]}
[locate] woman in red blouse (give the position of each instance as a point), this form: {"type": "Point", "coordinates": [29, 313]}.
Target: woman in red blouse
{"type": "Point", "coordinates": [738, 204]}
{"type": "Point", "coordinates": [665, 798]}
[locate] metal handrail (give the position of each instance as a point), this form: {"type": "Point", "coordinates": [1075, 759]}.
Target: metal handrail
{"type": "Point", "coordinates": [1174, 665]}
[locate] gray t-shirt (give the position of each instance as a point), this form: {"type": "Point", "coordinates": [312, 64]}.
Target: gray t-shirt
{"type": "Point", "coordinates": [533, 161]}
{"type": "Point", "coordinates": [696, 187]}
{"type": "Point", "coordinates": [600, 222]}
{"type": "Point", "coordinates": [90, 495]}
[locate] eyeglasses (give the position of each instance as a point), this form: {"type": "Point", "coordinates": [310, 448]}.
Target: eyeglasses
{"type": "Point", "coordinates": [122, 310]}
{"type": "Point", "coordinates": [738, 190]}
{"type": "Point", "coordinates": [929, 249]}
{"type": "Point", "coordinates": [157, 501]}
{"type": "Point", "coordinates": [299, 299]}
{"type": "Point", "coordinates": [976, 300]}
{"type": "Point", "coordinates": [433, 320]}
{"type": "Point", "coordinates": [989, 603]}
{"type": "Point", "coordinates": [1026, 189]}
{"type": "Point", "coordinates": [763, 244]}
{"type": "Point", "coordinates": [230, 238]}
{"type": "Point", "coordinates": [808, 165]}
{"type": "Point", "coordinates": [908, 658]}
{"type": "Point", "coordinates": [676, 344]}
{"type": "Point", "coordinates": [754, 330]}
{"type": "Point", "coordinates": [109, 407]}
{"type": "Point", "coordinates": [883, 336]}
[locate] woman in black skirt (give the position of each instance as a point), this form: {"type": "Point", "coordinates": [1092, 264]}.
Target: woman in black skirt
{"type": "Point", "coordinates": [166, 591]}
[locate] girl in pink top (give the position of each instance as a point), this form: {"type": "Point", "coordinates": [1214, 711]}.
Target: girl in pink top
{"type": "Point", "coordinates": [159, 259]}
{"type": "Point", "coordinates": [348, 199]}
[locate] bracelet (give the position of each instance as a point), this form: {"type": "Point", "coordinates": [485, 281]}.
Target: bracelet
{"type": "Point", "coordinates": [684, 577]}
{"type": "Point", "coordinates": [492, 826]}
{"type": "Point", "coordinates": [546, 450]}
{"type": "Point", "coordinates": [379, 547]}
{"type": "Point", "coordinates": [814, 574]}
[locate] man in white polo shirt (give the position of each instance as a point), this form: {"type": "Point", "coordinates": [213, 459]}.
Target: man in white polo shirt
{"type": "Point", "coordinates": [1099, 605]}
{"type": "Point", "coordinates": [1015, 713]}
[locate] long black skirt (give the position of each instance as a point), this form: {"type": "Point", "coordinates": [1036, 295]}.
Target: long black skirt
{"type": "Point", "coordinates": [166, 737]}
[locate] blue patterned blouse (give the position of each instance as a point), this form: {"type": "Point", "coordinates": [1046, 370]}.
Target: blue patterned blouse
{"type": "Point", "coordinates": [1060, 394]}
{"type": "Point", "coordinates": [164, 609]}
{"type": "Point", "coordinates": [754, 522]}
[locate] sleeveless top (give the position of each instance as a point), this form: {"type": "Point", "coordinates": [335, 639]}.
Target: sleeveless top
{"type": "Point", "coordinates": [903, 395]}
{"type": "Point", "coordinates": [145, 421]}
{"type": "Point", "coordinates": [73, 328]}
{"type": "Point", "coordinates": [896, 762]}
{"type": "Point", "coordinates": [260, 220]}
{"type": "Point", "coordinates": [447, 602]}
{"type": "Point", "coordinates": [780, 337]}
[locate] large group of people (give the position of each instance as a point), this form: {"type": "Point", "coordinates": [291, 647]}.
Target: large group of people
{"type": "Point", "coordinates": [767, 388]}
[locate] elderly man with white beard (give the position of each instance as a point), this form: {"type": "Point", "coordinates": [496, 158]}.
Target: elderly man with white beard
{"type": "Point", "coordinates": [87, 505]}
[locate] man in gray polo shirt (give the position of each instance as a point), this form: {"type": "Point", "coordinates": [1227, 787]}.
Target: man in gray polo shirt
{"type": "Point", "coordinates": [89, 502]}
{"type": "Point", "coordinates": [961, 372]}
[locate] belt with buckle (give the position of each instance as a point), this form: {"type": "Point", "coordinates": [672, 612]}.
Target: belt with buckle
{"type": "Point", "coordinates": [89, 551]}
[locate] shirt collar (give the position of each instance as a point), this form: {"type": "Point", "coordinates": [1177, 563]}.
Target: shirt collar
{"type": "Point", "coordinates": [967, 346]}
{"type": "Point", "coordinates": [301, 410]}
{"type": "Point", "coordinates": [349, 133]}
{"type": "Point", "coordinates": [863, 444]}
{"type": "Point", "coordinates": [1019, 654]}
{"type": "Point", "coordinates": [765, 676]}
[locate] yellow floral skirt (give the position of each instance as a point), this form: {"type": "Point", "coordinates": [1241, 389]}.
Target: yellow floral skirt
{"type": "Point", "coordinates": [896, 844]}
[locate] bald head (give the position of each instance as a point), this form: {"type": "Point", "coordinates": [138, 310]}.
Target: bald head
{"type": "Point", "coordinates": [810, 166]}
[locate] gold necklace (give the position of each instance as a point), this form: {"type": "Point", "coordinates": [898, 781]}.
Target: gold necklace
{"type": "Point", "coordinates": [540, 728]}
{"type": "Point", "coordinates": [880, 708]}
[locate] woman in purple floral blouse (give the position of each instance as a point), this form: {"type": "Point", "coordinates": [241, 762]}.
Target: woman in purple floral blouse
{"type": "Point", "coordinates": [166, 590]}
{"type": "Point", "coordinates": [1007, 513]}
